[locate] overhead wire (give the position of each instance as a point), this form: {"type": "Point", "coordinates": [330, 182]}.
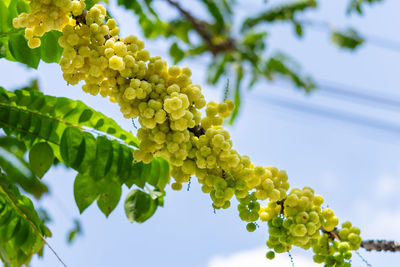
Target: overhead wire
{"type": "Point", "coordinates": [318, 110]}
{"type": "Point", "coordinates": [359, 94]}
{"type": "Point", "coordinates": [372, 39]}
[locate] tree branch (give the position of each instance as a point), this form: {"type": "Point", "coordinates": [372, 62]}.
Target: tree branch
{"type": "Point", "coordinates": [81, 19]}
{"type": "Point", "coordinates": [201, 28]}
{"type": "Point", "coordinates": [380, 245]}
{"type": "Point", "coordinates": [197, 130]}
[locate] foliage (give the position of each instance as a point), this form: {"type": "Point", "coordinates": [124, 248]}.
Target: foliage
{"type": "Point", "coordinates": [62, 130]}
{"type": "Point", "coordinates": [66, 128]}
{"type": "Point", "coordinates": [22, 232]}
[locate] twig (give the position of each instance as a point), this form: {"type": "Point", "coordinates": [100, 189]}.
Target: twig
{"type": "Point", "coordinates": [197, 130]}
{"type": "Point", "coordinates": [81, 19]}
{"type": "Point", "coordinates": [201, 28]}
{"type": "Point", "coordinates": [10, 32]}
{"type": "Point", "coordinates": [190, 180]}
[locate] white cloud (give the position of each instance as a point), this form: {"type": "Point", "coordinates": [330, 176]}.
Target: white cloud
{"type": "Point", "coordinates": [256, 258]}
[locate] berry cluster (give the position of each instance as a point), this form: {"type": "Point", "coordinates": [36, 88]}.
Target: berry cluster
{"type": "Point", "coordinates": [167, 105]}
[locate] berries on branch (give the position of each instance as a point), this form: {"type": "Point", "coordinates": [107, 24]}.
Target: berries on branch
{"type": "Point", "coordinates": [167, 105]}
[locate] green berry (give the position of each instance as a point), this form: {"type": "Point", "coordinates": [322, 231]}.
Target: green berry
{"type": "Point", "coordinates": [270, 255]}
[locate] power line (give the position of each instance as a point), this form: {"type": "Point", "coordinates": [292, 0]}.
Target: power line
{"type": "Point", "coordinates": [328, 112]}
{"type": "Point", "coordinates": [352, 92]}
{"type": "Point", "coordinates": [359, 94]}
{"type": "Point", "coordinates": [375, 40]}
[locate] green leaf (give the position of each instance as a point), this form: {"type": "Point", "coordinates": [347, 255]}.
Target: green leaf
{"type": "Point", "coordinates": [13, 145]}
{"type": "Point", "coordinates": [216, 68]}
{"type": "Point", "coordinates": [215, 11]}
{"type": "Point", "coordinates": [239, 77]}
{"type": "Point", "coordinates": [72, 147]}
{"type": "Point", "coordinates": [4, 17]}
{"type": "Point", "coordinates": [50, 50]}
{"type": "Point", "coordinates": [18, 172]}
{"type": "Point", "coordinates": [139, 206]}
{"type": "Point", "coordinates": [21, 52]}
{"type": "Point", "coordinates": [33, 86]}
{"type": "Point", "coordinates": [23, 233]}
{"type": "Point", "coordinates": [75, 231]}
{"type": "Point", "coordinates": [104, 157]}
{"type": "Point", "coordinates": [135, 176]}
{"type": "Point", "coordinates": [298, 29]}
{"type": "Point", "coordinates": [176, 53]}
{"type": "Point", "coordinates": [110, 196]}
{"type": "Point", "coordinates": [157, 172]}
{"type": "Point", "coordinates": [152, 26]}
{"type": "Point", "coordinates": [356, 5]}
{"type": "Point", "coordinates": [7, 231]}
{"type": "Point", "coordinates": [283, 12]}
{"type": "Point", "coordinates": [41, 157]}
{"type": "Point", "coordinates": [179, 28]}
{"type": "Point", "coordinates": [348, 39]}
{"type": "Point", "coordinates": [15, 8]}
{"type": "Point", "coordinates": [281, 64]}
{"type": "Point", "coordinates": [90, 153]}
{"type": "Point", "coordinates": [255, 42]}
{"type": "Point", "coordinates": [196, 50]}
{"type": "Point", "coordinates": [90, 3]}
{"type": "Point", "coordinates": [85, 191]}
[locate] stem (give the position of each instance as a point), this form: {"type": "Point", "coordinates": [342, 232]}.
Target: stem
{"type": "Point", "coordinates": [10, 32]}
{"type": "Point", "coordinates": [197, 130]}
{"type": "Point", "coordinates": [40, 115]}
{"type": "Point", "coordinates": [26, 132]}
{"type": "Point", "coordinates": [201, 28]}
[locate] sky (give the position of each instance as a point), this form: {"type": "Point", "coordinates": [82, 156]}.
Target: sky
{"type": "Point", "coordinates": [344, 148]}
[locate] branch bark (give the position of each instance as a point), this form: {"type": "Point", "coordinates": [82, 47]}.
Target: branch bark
{"type": "Point", "coordinates": [380, 245]}
{"type": "Point", "coordinates": [201, 28]}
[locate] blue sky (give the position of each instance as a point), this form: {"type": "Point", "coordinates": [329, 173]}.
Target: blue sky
{"type": "Point", "coordinates": [355, 167]}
